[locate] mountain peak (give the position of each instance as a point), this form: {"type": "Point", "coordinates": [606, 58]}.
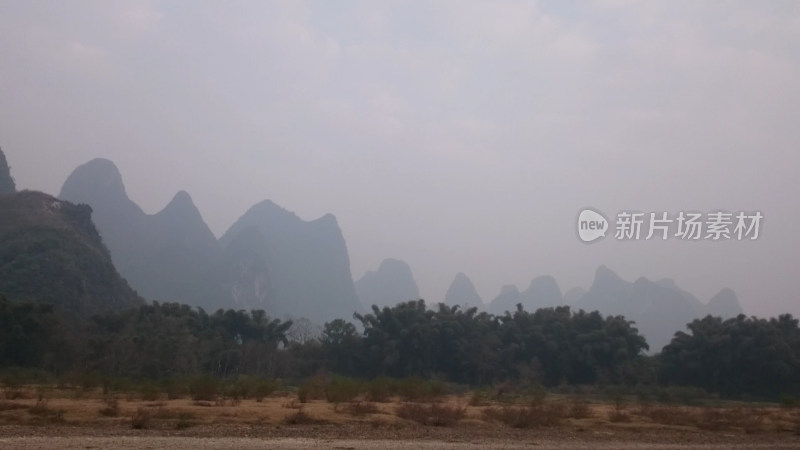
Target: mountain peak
{"type": "Point", "coordinates": [462, 292]}
{"type": "Point", "coordinates": [603, 273]}
{"type": "Point", "coordinates": [328, 218]}
{"type": "Point", "coordinates": [181, 204]}
{"type": "Point", "coordinates": [509, 289]}
{"type": "Point", "coordinates": [269, 206]}
{"type": "Point", "coordinates": [543, 292]}
{"type": "Point", "coordinates": [506, 301]}
{"type": "Point", "coordinates": [392, 283]}
{"type": "Point", "coordinates": [269, 211]}
{"type": "Point", "coordinates": [725, 304]}
{"type": "Point", "coordinates": [543, 280]}
{"type": "Point", "coordinates": [182, 196]}
{"type": "Point", "coordinates": [181, 219]}
{"type": "Point", "coordinates": [607, 279]}
{"type": "Point", "coordinates": [99, 184]}
{"type": "Point", "coordinates": [294, 267]}
{"type": "Point", "coordinates": [100, 173]}
{"type": "Point", "coordinates": [393, 264]}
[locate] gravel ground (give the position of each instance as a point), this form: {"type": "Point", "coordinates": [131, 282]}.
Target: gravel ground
{"type": "Point", "coordinates": [144, 442]}
{"type": "Point", "coordinates": [367, 437]}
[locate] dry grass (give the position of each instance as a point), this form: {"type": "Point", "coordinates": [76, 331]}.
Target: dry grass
{"type": "Point", "coordinates": [360, 409]}
{"type": "Point", "coordinates": [619, 415]}
{"type": "Point", "coordinates": [539, 414]}
{"type": "Point", "coordinates": [292, 404]}
{"type": "Point", "coordinates": [112, 407]}
{"type": "Point", "coordinates": [578, 409]}
{"type": "Point", "coordinates": [185, 420]}
{"type": "Point", "coordinates": [111, 410]}
{"type": "Point", "coordinates": [141, 420]}
{"type": "Point", "coordinates": [302, 418]}
{"type": "Point", "coordinates": [10, 406]}
{"type": "Point", "coordinates": [434, 414]}
{"type": "Point", "coordinates": [45, 413]}
{"type": "Point", "coordinates": [13, 393]}
{"type": "Point", "coordinates": [667, 415]}
{"type": "Point", "coordinates": [751, 420]}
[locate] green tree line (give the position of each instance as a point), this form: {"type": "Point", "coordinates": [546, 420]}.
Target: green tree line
{"type": "Point", "coordinates": [551, 346]}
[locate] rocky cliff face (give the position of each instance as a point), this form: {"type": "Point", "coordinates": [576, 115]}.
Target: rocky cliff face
{"type": "Point", "coordinates": [389, 285]}
{"type": "Point", "coordinates": [51, 252]}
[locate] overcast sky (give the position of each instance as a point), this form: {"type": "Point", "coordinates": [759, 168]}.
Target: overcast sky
{"type": "Point", "coordinates": [455, 135]}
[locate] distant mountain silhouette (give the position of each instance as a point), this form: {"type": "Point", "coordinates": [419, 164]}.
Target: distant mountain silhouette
{"type": "Point", "coordinates": [271, 259]}
{"type": "Point", "coordinates": [725, 304]}
{"type": "Point", "coordinates": [543, 292]}
{"type": "Point", "coordinates": [506, 300]}
{"type": "Point", "coordinates": [659, 308]}
{"type": "Point", "coordinates": [187, 263]}
{"type": "Point", "coordinates": [287, 266]}
{"type": "Point", "coordinates": [392, 283]}
{"type": "Point", "coordinates": [169, 256]}
{"type": "Point", "coordinates": [50, 252]}
{"type": "Point", "coordinates": [462, 292]}
{"type": "Point", "coordinates": [7, 185]}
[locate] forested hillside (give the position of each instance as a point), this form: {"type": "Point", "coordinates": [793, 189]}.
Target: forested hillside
{"type": "Point", "coordinates": [51, 252]}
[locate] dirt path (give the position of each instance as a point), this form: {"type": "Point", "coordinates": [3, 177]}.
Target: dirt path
{"type": "Point", "coordinates": [145, 442]}
{"type": "Point", "coordinates": [356, 437]}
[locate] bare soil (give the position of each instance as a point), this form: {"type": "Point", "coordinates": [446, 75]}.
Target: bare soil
{"type": "Point", "coordinates": [64, 420]}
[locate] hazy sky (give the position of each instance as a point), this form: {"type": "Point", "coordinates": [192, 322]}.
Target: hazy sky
{"type": "Point", "coordinates": [455, 135]}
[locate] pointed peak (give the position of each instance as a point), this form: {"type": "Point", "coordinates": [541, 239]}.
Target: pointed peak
{"type": "Point", "coordinates": [604, 276]}
{"type": "Point", "coordinates": [543, 280]}
{"type": "Point", "coordinates": [461, 279]}
{"type": "Point", "coordinates": [181, 204]}
{"type": "Point", "coordinates": [509, 289]}
{"type": "Point", "coordinates": [392, 263]}
{"type": "Point", "coordinates": [725, 303]}
{"type": "Point", "coordinates": [462, 292]}
{"type": "Point", "coordinates": [726, 293]}
{"type": "Point", "coordinates": [604, 272]}
{"type": "Point", "coordinates": [391, 283]}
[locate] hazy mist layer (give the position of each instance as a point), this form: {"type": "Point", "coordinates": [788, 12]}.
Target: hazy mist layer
{"type": "Point", "coordinates": [457, 136]}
